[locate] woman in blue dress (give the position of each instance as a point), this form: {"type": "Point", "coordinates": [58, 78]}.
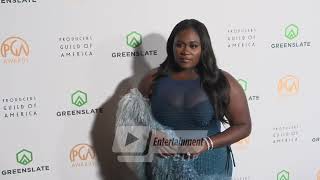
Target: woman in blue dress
{"type": "Point", "coordinates": [189, 92]}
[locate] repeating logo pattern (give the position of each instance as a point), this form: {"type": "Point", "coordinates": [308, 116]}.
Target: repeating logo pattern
{"type": "Point", "coordinates": [79, 98]}
{"type": "Point", "coordinates": [134, 39]}
{"type": "Point", "coordinates": [283, 175]}
{"type": "Point", "coordinates": [288, 85]}
{"type": "Point", "coordinates": [23, 107]}
{"type": "Point", "coordinates": [82, 155]}
{"type": "Point", "coordinates": [285, 134]}
{"type": "Point", "coordinates": [18, 2]}
{"type": "Point", "coordinates": [14, 50]}
{"type": "Point", "coordinates": [244, 37]}
{"type": "Point", "coordinates": [76, 46]}
{"type": "Point", "coordinates": [243, 83]}
{"type": "Point", "coordinates": [24, 157]}
{"type": "Point", "coordinates": [291, 31]}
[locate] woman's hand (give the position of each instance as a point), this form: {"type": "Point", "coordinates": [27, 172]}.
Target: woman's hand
{"type": "Point", "coordinates": [163, 144]}
{"type": "Point", "coordinates": [194, 150]}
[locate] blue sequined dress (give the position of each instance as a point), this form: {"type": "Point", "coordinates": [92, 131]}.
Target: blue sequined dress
{"type": "Point", "coordinates": [183, 105]}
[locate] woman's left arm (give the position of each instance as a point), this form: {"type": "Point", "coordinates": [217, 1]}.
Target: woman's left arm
{"type": "Point", "coordinates": [237, 114]}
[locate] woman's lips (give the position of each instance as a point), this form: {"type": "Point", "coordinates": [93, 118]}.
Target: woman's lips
{"type": "Point", "coordinates": [183, 60]}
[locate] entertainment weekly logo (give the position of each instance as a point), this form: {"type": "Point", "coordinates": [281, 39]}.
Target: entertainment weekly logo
{"type": "Point", "coordinates": [134, 40]}
{"type": "Point", "coordinates": [141, 143]}
{"type": "Point", "coordinates": [14, 50]}
{"type": "Point", "coordinates": [25, 160]}
{"type": "Point", "coordinates": [82, 155]}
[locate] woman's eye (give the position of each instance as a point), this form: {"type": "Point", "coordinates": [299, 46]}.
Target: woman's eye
{"type": "Point", "coordinates": [178, 45]}
{"type": "Point", "coordinates": [193, 46]}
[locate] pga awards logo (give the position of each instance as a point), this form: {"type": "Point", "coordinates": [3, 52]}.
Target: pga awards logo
{"type": "Point", "coordinates": [288, 85]}
{"type": "Point", "coordinates": [82, 155]}
{"type": "Point", "coordinates": [14, 50]}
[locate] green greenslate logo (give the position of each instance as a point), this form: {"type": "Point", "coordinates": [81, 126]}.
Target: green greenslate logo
{"type": "Point", "coordinates": [243, 83]}
{"type": "Point", "coordinates": [134, 39]}
{"type": "Point", "coordinates": [291, 31]}
{"type": "Point", "coordinates": [79, 98]}
{"type": "Point", "coordinates": [283, 175]}
{"type": "Point", "coordinates": [24, 157]}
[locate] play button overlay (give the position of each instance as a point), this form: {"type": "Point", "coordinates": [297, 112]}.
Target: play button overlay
{"type": "Point", "coordinates": [130, 139]}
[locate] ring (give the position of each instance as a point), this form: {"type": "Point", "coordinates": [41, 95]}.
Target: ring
{"type": "Point", "coordinates": [188, 154]}
{"type": "Point", "coordinates": [165, 156]}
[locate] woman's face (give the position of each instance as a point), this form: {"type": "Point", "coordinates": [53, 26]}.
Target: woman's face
{"type": "Point", "coordinates": [187, 49]}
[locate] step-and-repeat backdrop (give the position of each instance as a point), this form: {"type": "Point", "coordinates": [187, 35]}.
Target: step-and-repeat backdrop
{"type": "Point", "coordinates": [65, 64]}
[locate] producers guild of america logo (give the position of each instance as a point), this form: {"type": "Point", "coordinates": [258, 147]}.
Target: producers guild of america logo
{"type": "Point", "coordinates": [244, 84]}
{"type": "Point", "coordinates": [15, 50]}
{"type": "Point", "coordinates": [82, 155]}
{"type": "Point", "coordinates": [134, 40]}
{"type": "Point", "coordinates": [288, 85]}
{"type": "Point", "coordinates": [286, 134]}
{"type": "Point", "coordinates": [19, 107]}
{"type": "Point", "coordinates": [241, 37]}
{"type": "Point", "coordinates": [76, 46]}
{"type": "Point", "coordinates": [24, 157]}
{"type": "Point", "coordinates": [79, 99]}
{"type": "Point", "coordinates": [292, 34]}
{"type": "Point", "coordinates": [283, 175]}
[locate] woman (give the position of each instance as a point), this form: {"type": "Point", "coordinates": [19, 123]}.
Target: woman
{"type": "Point", "coordinates": [189, 91]}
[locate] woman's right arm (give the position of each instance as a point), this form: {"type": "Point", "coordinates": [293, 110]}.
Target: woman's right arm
{"type": "Point", "coordinates": [145, 85]}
